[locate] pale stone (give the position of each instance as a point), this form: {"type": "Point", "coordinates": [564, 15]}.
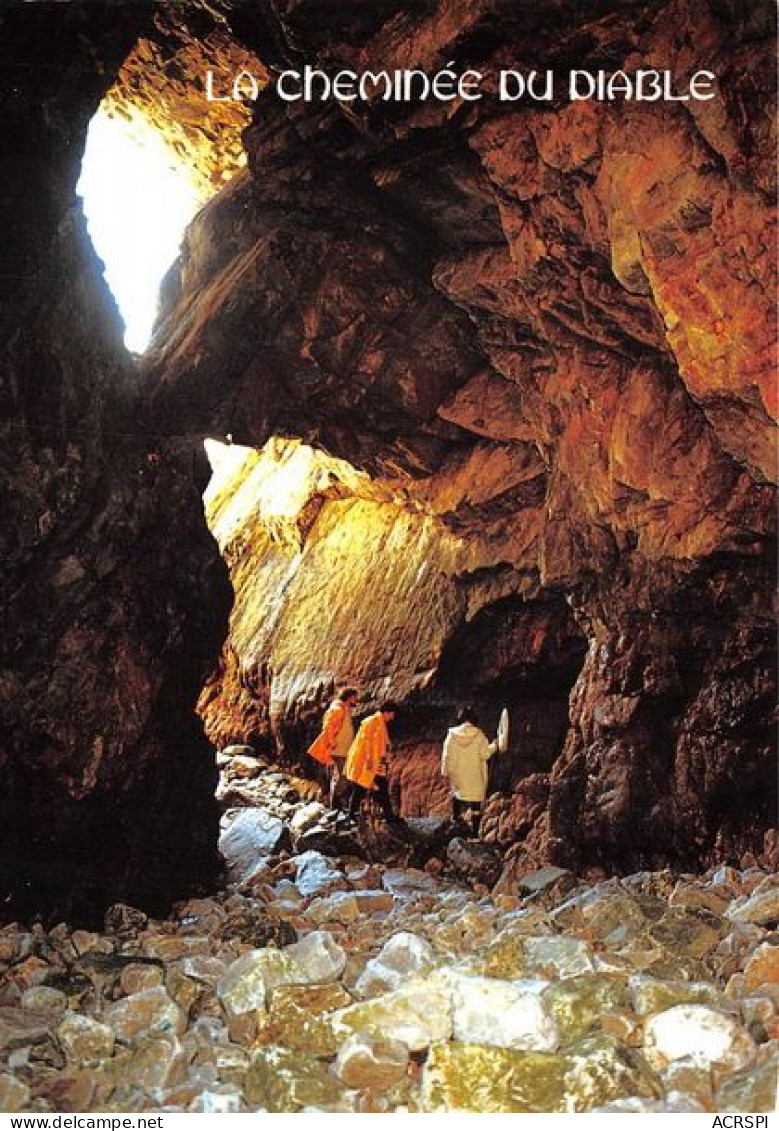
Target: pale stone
{"type": "Point", "coordinates": [44, 999]}
{"type": "Point", "coordinates": [150, 1011]}
{"type": "Point", "coordinates": [687, 1078]}
{"type": "Point", "coordinates": [340, 907]}
{"type": "Point", "coordinates": [403, 955]}
{"type": "Point", "coordinates": [762, 967]}
{"type": "Point", "coordinates": [557, 957]}
{"type": "Point", "coordinates": [704, 1035]}
{"type": "Point", "coordinates": [486, 1011]}
{"type": "Point", "coordinates": [369, 1062]}
{"type": "Point", "coordinates": [217, 1101]}
{"type": "Point", "coordinates": [135, 978]}
{"type": "Point", "coordinates": [306, 817]}
{"type": "Point", "coordinates": [318, 956]}
{"type": "Point", "coordinates": [417, 1014]}
{"type": "Point", "coordinates": [601, 1071]}
{"type": "Point", "coordinates": [14, 1094]}
{"type": "Point", "coordinates": [316, 874]}
{"type": "Point", "coordinates": [753, 1090]}
{"type": "Point", "coordinates": [84, 1042]}
{"type": "Point", "coordinates": [761, 908]}
{"type": "Point", "coordinates": [653, 995]}
{"type": "Point", "coordinates": [243, 987]}
{"type": "Point", "coordinates": [253, 836]}
{"type": "Point", "coordinates": [541, 880]}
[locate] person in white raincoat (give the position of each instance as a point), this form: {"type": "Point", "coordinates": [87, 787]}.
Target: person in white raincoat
{"type": "Point", "coordinates": [467, 750]}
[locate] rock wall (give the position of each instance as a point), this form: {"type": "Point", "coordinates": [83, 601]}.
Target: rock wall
{"type": "Point", "coordinates": [114, 599]}
{"type": "Point", "coordinates": [547, 331]}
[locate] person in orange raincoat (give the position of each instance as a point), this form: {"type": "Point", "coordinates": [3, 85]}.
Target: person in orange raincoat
{"type": "Point", "coordinates": [366, 768]}
{"type": "Point", "coordinates": [332, 745]}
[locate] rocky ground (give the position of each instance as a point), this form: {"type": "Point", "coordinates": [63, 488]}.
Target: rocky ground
{"type": "Point", "coordinates": [337, 982]}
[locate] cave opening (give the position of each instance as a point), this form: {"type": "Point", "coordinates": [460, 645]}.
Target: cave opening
{"type": "Point", "coordinates": [138, 198]}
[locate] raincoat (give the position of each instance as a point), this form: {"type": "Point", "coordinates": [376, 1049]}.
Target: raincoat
{"type": "Point", "coordinates": [366, 757]}
{"type": "Point", "coordinates": [337, 734]}
{"type": "Point", "coordinates": [466, 753]}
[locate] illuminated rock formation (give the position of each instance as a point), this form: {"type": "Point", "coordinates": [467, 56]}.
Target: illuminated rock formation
{"type": "Point", "coordinates": [543, 336]}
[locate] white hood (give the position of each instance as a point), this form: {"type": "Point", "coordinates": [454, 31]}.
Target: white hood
{"type": "Point", "coordinates": [466, 736]}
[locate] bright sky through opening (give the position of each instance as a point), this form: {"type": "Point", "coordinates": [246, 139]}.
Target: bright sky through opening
{"type": "Point", "coordinates": [137, 203]}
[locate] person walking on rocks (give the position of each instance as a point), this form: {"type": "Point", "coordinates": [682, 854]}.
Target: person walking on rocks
{"type": "Point", "coordinates": [366, 764]}
{"type": "Point", "coordinates": [467, 750]}
{"type": "Point", "coordinates": [332, 745]}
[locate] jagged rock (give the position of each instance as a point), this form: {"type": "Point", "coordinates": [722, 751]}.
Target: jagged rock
{"type": "Point", "coordinates": [752, 1090]}
{"type": "Point", "coordinates": [402, 956]}
{"type": "Point", "coordinates": [306, 817]}
{"type": "Point", "coordinates": [44, 999]}
{"type": "Point", "coordinates": [245, 766]}
{"type": "Point", "coordinates": [602, 1071]}
{"type": "Point", "coordinates": [544, 878]}
{"type": "Point", "coordinates": [150, 1011]}
{"type": "Point", "coordinates": [457, 1077]}
{"type": "Point", "coordinates": [578, 1004]}
{"type": "Point", "coordinates": [486, 1011]}
{"type": "Point", "coordinates": [762, 967]}
{"type": "Point", "coordinates": [316, 874]}
{"type": "Point", "coordinates": [14, 1094]}
{"type": "Point", "coordinates": [85, 1042]}
{"type": "Point", "coordinates": [318, 957]}
{"type": "Point", "coordinates": [282, 1081]}
{"type": "Point", "coordinates": [300, 1018]}
{"type": "Point", "coordinates": [249, 839]}
{"type": "Point", "coordinates": [474, 861]}
{"type": "Point", "coordinates": [761, 908]}
{"type": "Point", "coordinates": [245, 984]}
{"type": "Point", "coordinates": [19, 1027]}
{"type": "Point", "coordinates": [417, 1014]}
{"type": "Point", "coordinates": [706, 1036]}
{"type": "Point", "coordinates": [122, 920]}
{"type": "Point", "coordinates": [370, 1063]}
{"type": "Point", "coordinates": [653, 995]}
